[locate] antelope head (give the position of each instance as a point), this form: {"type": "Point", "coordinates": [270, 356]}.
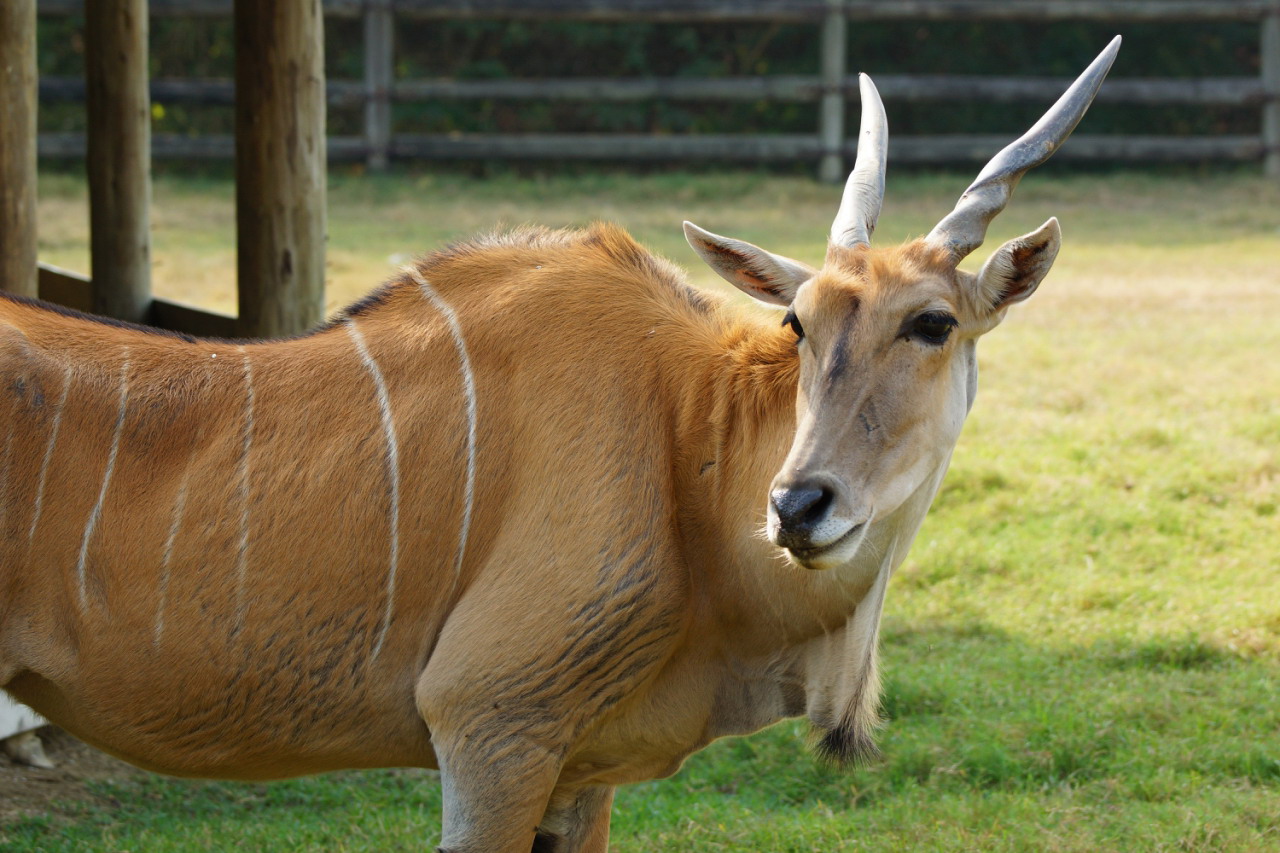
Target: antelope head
{"type": "Point", "coordinates": [886, 336]}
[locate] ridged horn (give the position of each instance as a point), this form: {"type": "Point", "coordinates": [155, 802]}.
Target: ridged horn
{"type": "Point", "coordinates": [864, 191]}
{"type": "Point", "coordinates": [963, 230]}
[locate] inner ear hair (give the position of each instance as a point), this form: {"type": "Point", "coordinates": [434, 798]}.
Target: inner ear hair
{"type": "Point", "coordinates": [1016, 269]}
{"type": "Point", "coordinates": [761, 274]}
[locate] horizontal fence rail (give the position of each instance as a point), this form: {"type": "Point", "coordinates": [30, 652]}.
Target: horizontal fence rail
{"type": "Point", "coordinates": [831, 89]}
{"type": "Point", "coordinates": [1211, 91]}
{"type": "Point", "coordinates": [754, 10]}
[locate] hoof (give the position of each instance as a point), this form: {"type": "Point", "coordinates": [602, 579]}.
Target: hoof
{"type": "Point", "coordinates": [26, 748]}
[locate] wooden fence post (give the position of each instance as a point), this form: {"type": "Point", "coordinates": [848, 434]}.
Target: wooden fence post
{"type": "Point", "coordinates": [1271, 91]}
{"type": "Point", "coordinates": [119, 157]}
{"type": "Point", "coordinates": [18, 146]}
{"type": "Point", "coordinates": [831, 124]}
{"type": "Point", "coordinates": [379, 76]}
{"type": "Point", "coordinates": [280, 165]}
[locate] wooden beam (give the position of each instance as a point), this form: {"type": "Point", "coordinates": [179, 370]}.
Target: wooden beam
{"type": "Point", "coordinates": [280, 165]}
{"type": "Point", "coordinates": [773, 147]}
{"type": "Point", "coordinates": [1206, 91]}
{"type": "Point", "coordinates": [119, 157]}
{"type": "Point", "coordinates": [1080, 147]}
{"type": "Point", "coordinates": [585, 146]}
{"type": "Point", "coordinates": [782, 87]}
{"type": "Point", "coordinates": [735, 147]}
{"type": "Point", "coordinates": [831, 108]}
{"type": "Point", "coordinates": [1270, 73]}
{"type": "Point", "coordinates": [66, 288]}
{"type": "Point", "coordinates": [72, 290]}
{"type": "Point", "coordinates": [815, 10]}
{"type": "Point", "coordinates": [177, 317]}
{"type": "Point", "coordinates": [18, 146]}
{"type": "Point", "coordinates": [756, 10]}
{"type": "Point", "coordinates": [379, 77]}
{"type": "Point", "coordinates": [175, 146]}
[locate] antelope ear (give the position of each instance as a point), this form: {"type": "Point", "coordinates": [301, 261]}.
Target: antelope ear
{"type": "Point", "coordinates": [1016, 269]}
{"type": "Point", "coordinates": [768, 277]}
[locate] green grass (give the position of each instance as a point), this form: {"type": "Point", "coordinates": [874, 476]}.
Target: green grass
{"type": "Point", "coordinates": [1082, 651]}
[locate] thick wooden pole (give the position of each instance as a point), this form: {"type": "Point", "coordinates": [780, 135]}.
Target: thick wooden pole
{"type": "Point", "coordinates": [1271, 91]}
{"type": "Point", "coordinates": [831, 126]}
{"type": "Point", "coordinates": [379, 74]}
{"type": "Point", "coordinates": [119, 157]}
{"type": "Point", "coordinates": [280, 165]}
{"type": "Point", "coordinates": [18, 146]}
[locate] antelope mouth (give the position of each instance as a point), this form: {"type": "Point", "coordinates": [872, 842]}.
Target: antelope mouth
{"type": "Point", "coordinates": [812, 558]}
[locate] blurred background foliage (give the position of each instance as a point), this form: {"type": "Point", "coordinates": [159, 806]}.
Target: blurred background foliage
{"type": "Point", "coordinates": [203, 47]}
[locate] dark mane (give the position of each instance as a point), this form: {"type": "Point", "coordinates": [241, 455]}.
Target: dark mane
{"type": "Point", "coordinates": [73, 314]}
{"type": "Point", "coordinates": [364, 304]}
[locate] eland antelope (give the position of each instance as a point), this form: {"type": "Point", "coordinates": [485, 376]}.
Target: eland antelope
{"type": "Point", "coordinates": [502, 518]}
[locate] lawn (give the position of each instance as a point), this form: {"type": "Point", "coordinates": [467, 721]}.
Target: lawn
{"type": "Point", "coordinates": [1082, 651]}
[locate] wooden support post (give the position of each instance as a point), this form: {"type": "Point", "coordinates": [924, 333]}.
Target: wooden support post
{"type": "Point", "coordinates": [1271, 92]}
{"type": "Point", "coordinates": [119, 157]}
{"type": "Point", "coordinates": [18, 146]}
{"type": "Point", "coordinates": [379, 76]}
{"type": "Point", "coordinates": [280, 165]}
{"type": "Point", "coordinates": [831, 127]}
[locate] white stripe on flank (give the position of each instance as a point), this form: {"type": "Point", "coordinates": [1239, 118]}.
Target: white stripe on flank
{"type": "Point", "coordinates": [48, 454]}
{"type": "Point", "coordinates": [393, 475]}
{"type": "Point", "coordinates": [179, 507]}
{"type": "Point", "coordinates": [469, 390]}
{"type": "Point", "coordinates": [242, 559]}
{"type": "Point", "coordinates": [106, 481]}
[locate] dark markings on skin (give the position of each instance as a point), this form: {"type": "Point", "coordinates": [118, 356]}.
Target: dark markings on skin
{"type": "Point", "coordinates": [287, 676]}
{"type": "Point", "coordinates": [607, 646]}
{"type": "Point", "coordinates": [695, 298]}
{"type": "Point", "coordinates": [29, 393]}
{"type": "Point", "coordinates": [639, 570]}
{"type": "Point", "coordinates": [838, 362]}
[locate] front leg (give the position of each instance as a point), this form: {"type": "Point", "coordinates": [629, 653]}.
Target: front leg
{"type": "Point", "coordinates": [541, 647]}
{"type": "Point", "coordinates": [495, 792]}
{"type": "Point", "coordinates": [577, 822]}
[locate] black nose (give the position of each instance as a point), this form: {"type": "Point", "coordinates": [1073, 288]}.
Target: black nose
{"type": "Point", "coordinates": [800, 508]}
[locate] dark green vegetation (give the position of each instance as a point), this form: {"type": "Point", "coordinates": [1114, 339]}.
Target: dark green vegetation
{"type": "Point", "coordinates": [1082, 652]}
{"type": "Point", "coordinates": [200, 47]}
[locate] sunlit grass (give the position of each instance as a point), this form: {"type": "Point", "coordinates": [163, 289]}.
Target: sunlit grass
{"type": "Point", "coordinates": [1082, 652]}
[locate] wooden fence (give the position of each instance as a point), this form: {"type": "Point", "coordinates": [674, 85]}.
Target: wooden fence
{"type": "Point", "coordinates": [831, 88]}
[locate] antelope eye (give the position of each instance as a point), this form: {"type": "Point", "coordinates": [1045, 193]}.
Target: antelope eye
{"type": "Point", "coordinates": [933, 327]}
{"type": "Point", "coordinates": [792, 321]}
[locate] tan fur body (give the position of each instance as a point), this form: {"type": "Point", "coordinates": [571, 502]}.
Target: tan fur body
{"type": "Point", "coordinates": [616, 608]}
{"type": "Point", "coordinates": [536, 514]}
